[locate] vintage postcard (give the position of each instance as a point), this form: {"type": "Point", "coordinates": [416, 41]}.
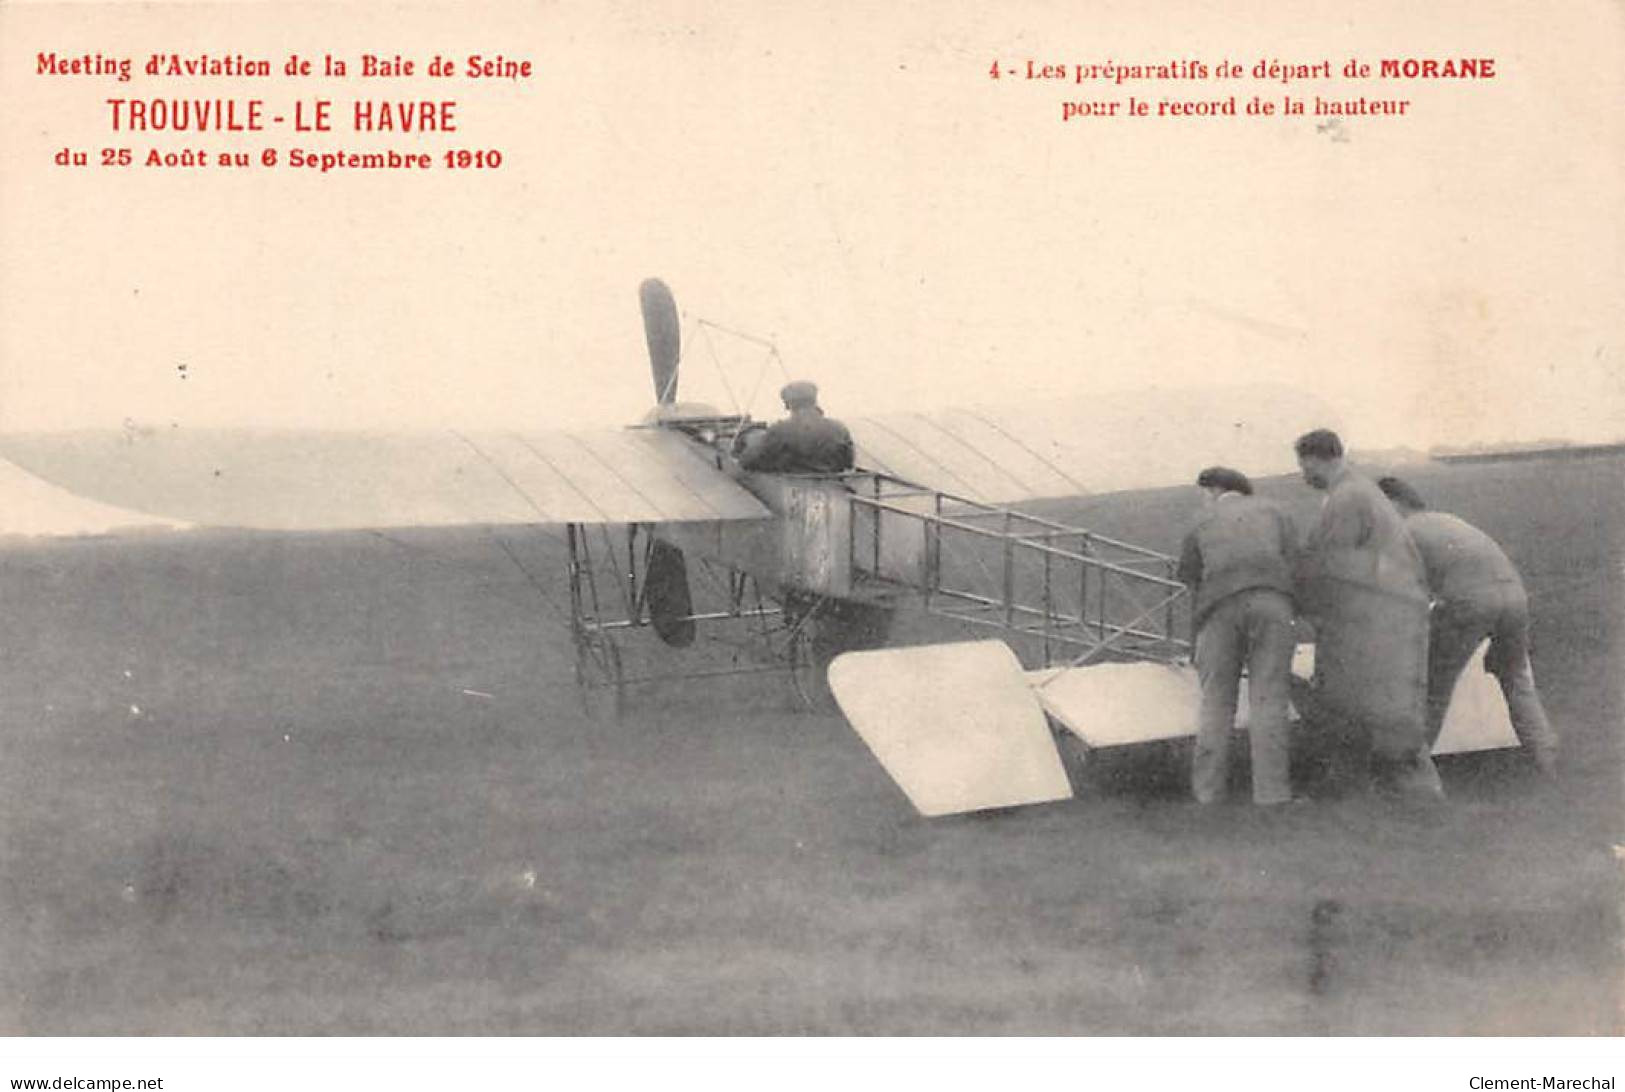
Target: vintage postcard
{"type": "Point", "coordinates": [572, 519]}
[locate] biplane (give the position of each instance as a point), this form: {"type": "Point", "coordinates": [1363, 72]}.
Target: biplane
{"type": "Point", "coordinates": [665, 534]}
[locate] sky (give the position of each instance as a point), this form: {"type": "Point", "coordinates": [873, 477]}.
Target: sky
{"type": "Point", "coordinates": [848, 186]}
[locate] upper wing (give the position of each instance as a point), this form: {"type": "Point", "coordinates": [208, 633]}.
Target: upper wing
{"type": "Point", "coordinates": [1115, 441]}
{"type": "Point", "coordinates": [307, 481]}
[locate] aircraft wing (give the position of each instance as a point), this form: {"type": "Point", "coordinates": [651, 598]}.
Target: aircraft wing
{"type": "Point", "coordinates": [313, 481]}
{"type": "Point", "coordinates": [1111, 442]}
{"type": "Point", "coordinates": [322, 481]}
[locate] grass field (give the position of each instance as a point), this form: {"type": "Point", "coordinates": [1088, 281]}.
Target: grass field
{"type": "Point", "coordinates": [272, 785]}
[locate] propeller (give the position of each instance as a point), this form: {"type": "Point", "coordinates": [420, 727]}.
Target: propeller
{"type": "Point", "coordinates": [665, 578]}
{"type": "Point", "coordinates": [661, 330]}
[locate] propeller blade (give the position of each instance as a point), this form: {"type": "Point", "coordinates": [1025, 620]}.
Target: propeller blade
{"type": "Point", "coordinates": [661, 330]}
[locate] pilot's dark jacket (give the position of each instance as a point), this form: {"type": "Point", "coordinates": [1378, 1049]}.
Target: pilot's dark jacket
{"type": "Point", "coordinates": [806, 442]}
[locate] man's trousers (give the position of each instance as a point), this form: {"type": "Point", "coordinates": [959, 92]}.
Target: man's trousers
{"type": "Point", "coordinates": [1499, 612]}
{"type": "Point", "coordinates": [1252, 628]}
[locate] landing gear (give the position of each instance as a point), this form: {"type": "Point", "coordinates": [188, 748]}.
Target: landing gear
{"type": "Point", "coordinates": [809, 686]}
{"type": "Point", "coordinates": [600, 676]}
{"type": "Point", "coordinates": [820, 629]}
{"type": "Point", "coordinates": [647, 584]}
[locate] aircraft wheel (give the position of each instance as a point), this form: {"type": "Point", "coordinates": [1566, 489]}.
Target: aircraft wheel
{"type": "Point", "coordinates": [823, 631]}
{"type": "Point", "coordinates": [805, 658]}
{"type": "Point", "coordinates": [809, 685]}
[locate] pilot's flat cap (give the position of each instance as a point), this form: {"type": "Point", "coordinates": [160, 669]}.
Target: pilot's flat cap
{"type": "Point", "coordinates": [799, 393]}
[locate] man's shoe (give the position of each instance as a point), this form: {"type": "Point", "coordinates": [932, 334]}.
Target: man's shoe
{"type": "Point", "coordinates": [1414, 778]}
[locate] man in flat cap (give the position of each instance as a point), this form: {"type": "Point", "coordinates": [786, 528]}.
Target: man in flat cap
{"type": "Point", "coordinates": [806, 442]}
{"type": "Point", "coordinates": [1477, 594]}
{"type": "Point", "coordinates": [1239, 560]}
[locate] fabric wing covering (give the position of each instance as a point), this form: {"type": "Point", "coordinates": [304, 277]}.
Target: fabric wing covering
{"type": "Point", "coordinates": [1106, 443]}
{"type": "Point", "coordinates": [310, 481]}
{"type": "Point", "coordinates": [1110, 705]}
{"type": "Point", "coordinates": [955, 725]}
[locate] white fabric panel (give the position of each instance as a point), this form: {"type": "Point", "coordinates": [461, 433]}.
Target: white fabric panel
{"type": "Point", "coordinates": [1110, 705]}
{"type": "Point", "coordinates": [328, 481]}
{"type": "Point", "coordinates": [1104, 443]}
{"type": "Point", "coordinates": [1477, 719]}
{"type": "Point", "coordinates": [955, 725]}
{"type": "Point", "coordinates": [311, 481]}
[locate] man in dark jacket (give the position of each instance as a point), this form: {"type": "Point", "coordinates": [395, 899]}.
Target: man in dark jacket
{"type": "Point", "coordinates": [806, 442]}
{"type": "Point", "coordinates": [1362, 585]}
{"type": "Point", "coordinates": [1238, 560]}
{"type": "Point", "coordinates": [1477, 594]}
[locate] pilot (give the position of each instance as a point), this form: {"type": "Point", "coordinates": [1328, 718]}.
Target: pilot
{"type": "Point", "coordinates": [1477, 594]}
{"type": "Point", "coordinates": [1362, 584]}
{"type": "Point", "coordinates": [806, 442]}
